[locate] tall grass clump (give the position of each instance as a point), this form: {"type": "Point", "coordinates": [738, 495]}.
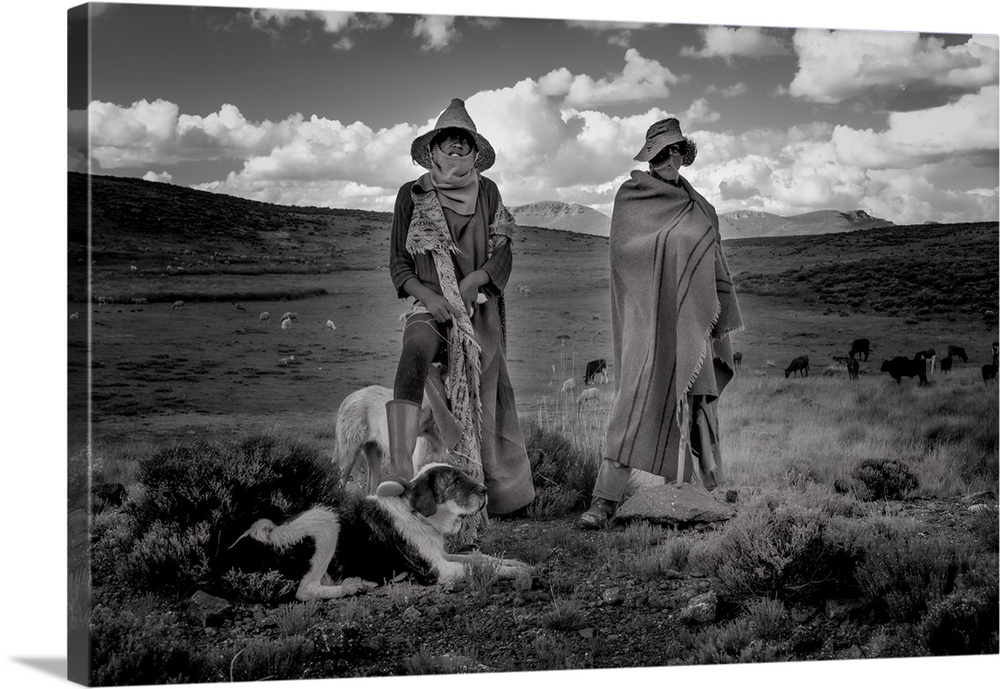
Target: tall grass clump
{"type": "Point", "coordinates": [194, 501]}
{"type": "Point", "coordinates": [562, 472]}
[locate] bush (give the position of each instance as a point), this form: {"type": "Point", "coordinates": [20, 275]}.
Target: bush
{"type": "Point", "coordinates": [558, 464]}
{"type": "Point", "coordinates": [194, 502]}
{"type": "Point", "coordinates": [901, 572]}
{"type": "Point", "coordinates": [962, 623]}
{"type": "Point", "coordinates": [885, 479]}
{"type": "Point", "coordinates": [131, 648]}
{"type": "Point", "coordinates": [787, 552]}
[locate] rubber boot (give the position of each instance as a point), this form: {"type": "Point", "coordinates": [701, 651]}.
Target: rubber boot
{"type": "Point", "coordinates": [403, 418]}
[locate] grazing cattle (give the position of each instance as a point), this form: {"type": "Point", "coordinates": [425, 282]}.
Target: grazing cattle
{"type": "Point", "coordinates": [946, 364]}
{"type": "Point", "coordinates": [853, 367]}
{"type": "Point", "coordinates": [901, 366]}
{"type": "Point", "coordinates": [738, 359]}
{"type": "Point", "coordinates": [859, 347]}
{"type": "Point", "coordinates": [989, 372]}
{"type": "Point", "coordinates": [800, 364]}
{"type": "Point", "coordinates": [954, 351]}
{"type": "Point", "coordinates": [595, 368]}
{"type": "Point", "coordinates": [928, 355]}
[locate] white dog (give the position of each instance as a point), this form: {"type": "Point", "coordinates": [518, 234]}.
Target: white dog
{"type": "Point", "coordinates": [363, 431]}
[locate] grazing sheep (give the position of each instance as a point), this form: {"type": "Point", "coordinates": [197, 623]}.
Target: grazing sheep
{"type": "Point", "coordinates": [330, 325]}
{"type": "Point", "coordinates": [769, 364]}
{"type": "Point", "coordinates": [74, 316]}
{"type": "Point", "coordinates": [568, 386]}
{"type": "Point", "coordinates": [178, 304]}
{"type": "Point", "coordinates": [587, 396]}
{"type": "Point", "coordinates": [286, 360]}
{"type": "Point", "coordinates": [138, 300]}
{"type": "Point", "coordinates": [133, 267]}
{"type": "Point", "coordinates": [240, 307]}
{"type": "Point", "coordinates": [264, 317]}
{"type": "Point", "coordinates": [286, 324]}
{"type": "Point", "coordinates": [738, 359]}
{"type": "Point", "coordinates": [524, 289]}
{"type": "Point", "coordinates": [289, 316]}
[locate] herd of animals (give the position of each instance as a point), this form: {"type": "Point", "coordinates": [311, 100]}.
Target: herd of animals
{"type": "Point", "coordinates": [898, 367]}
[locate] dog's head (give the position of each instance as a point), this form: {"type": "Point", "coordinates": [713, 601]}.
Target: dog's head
{"type": "Point", "coordinates": [444, 494]}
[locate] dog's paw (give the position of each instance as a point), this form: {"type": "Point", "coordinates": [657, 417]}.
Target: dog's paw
{"type": "Point", "coordinates": [352, 586]}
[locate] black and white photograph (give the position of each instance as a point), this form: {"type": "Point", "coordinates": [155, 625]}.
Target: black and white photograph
{"type": "Point", "coordinates": [453, 340]}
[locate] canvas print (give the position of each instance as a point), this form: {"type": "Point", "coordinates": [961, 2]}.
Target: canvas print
{"type": "Point", "coordinates": [408, 344]}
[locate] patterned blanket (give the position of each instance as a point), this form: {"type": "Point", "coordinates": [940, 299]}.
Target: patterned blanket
{"type": "Point", "coordinates": [672, 308]}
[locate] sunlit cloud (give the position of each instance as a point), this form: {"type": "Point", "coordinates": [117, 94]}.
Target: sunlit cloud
{"type": "Point", "coordinates": [736, 42]}
{"type": "Point", "coordinates": [837, 65]}
{"type": "Point", "coordinates": [436, 32]}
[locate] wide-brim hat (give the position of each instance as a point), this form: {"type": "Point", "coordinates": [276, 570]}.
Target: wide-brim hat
{"type": "Point", "coordinates": [660, 135]}
{"type": "Point", "coordinates": [454, 115]}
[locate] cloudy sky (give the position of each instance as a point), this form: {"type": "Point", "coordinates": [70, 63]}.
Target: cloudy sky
{"type": "Point", "coordinates": [319, 107]}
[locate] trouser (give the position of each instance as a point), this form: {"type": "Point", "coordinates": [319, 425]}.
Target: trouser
{"type": "Point", "coordinates": [423, 339]}
{"type": "Point", "coordinates": [612, 478]}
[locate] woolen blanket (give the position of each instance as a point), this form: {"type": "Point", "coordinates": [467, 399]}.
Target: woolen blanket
{"type": "Point", "coordinates": [672, 308]}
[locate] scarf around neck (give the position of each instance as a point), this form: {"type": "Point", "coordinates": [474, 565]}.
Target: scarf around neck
{"type": "Point", "coordinates": [455, 180]}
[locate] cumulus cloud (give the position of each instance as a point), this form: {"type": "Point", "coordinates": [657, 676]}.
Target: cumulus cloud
{"type": "Point", "coordinates": [737, 89]}
{"type": "Point", "coordinates": [437, 32]}
{"type": "Point", "coordinates": [838, 65]}
{"type": "Point", "coordinates": [700, 112]}
{"type": "Point", "coordinates": [342, 25]}
{"type": "Point", "coordinates": [738, 42]}
{"type": "Point", "coordinates": [158, 177]}
{"type": "Point", "coordinates": [641, 79]}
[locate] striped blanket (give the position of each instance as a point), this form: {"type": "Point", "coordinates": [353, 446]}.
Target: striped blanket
{"type": "Point", "coordinates": [672, 308]}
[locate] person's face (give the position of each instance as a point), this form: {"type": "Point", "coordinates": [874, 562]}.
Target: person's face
{"type": "Point", "coordinates": [454, 142]}
{"type": "Point", "coordinates": [667, 162]}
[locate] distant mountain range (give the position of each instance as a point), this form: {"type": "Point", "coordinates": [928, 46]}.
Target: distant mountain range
{"type": "Point", "coordinates": [574, 217]}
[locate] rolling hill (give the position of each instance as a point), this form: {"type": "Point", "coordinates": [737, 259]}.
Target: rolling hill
{"type": "Point", "coordinates": [555, 215]}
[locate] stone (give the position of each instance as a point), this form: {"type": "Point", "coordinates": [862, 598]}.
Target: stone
{"type": "Point", "coordinates": [673, 504]}
{"type": "Point", "coordinates": [700, 609]}
{"type": "Point", "coordinates": [209, 610]}
{"type": "Point", "coordinates": [612, 596]}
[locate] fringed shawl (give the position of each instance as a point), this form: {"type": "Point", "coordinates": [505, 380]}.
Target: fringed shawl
{"type": "Point", "coordinates": [429, 233]}
{"type": "Point", "coordinates": [672, 307]}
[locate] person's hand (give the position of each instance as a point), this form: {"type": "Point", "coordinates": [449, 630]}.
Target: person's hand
{"type": "Point", "coordinates": [442, 309]}
{"type": "Point", "coordinates": [469, 287]}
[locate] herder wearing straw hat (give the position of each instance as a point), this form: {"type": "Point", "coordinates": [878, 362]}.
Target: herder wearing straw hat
{"type": "Point", "coordinates": [672, 309]}
{"type": "Point", "coordinates": [450, 250]}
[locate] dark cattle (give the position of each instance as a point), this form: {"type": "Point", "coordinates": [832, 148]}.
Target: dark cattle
{"type": "Point", "coordinates": [989, 372]}
{"type": "Point", "coordinates": [738, 359]}
{"type": "Point", "coordinates": [800, 364]}
{"type": "Point", "coordinates": [954, 351]}
{"type": "Point", "coordinates": [946, 364]}
{"type": "Point", "coordinates": [860, 346]}
{"type": "Point", "coordinates": [595, 367]}
{"type": "Point", "coordinates": [852, 368]}
{"type": "Point", "coordinates": [901, 366]}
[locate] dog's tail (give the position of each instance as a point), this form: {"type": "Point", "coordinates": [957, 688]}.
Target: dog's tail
{"type": "Point", "coordinates": [320, 523]}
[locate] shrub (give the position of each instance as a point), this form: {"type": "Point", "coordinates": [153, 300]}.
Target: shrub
{"type": "Point", "coordinates": [962, 623]}
{"type": "Point", "coordinates": [564, 615]}
{"type": "Point", "coordinates": [194, 502]}
{"type": "Point", "coordinates": [901, 572]}
{"type": "Point", "coordinates": [789, 552]}
{"type": "Point", "coordinates": [560, 464]}
{"type": "Point", "coordinates": [130, 648]}
{"type": "Point", "coordinates": [885, 479]}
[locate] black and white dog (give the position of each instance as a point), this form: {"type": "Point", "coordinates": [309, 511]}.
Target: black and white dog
{"type": "Point", "coordinates": [373, 540]}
